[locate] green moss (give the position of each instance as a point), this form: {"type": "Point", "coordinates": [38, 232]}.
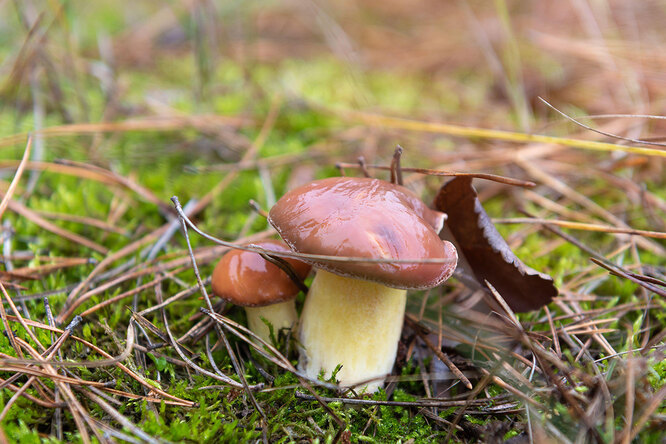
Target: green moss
{"type": "Point", "coordinates": [657, 376]}
{"type": "Point", "coordinates": [156, 160]}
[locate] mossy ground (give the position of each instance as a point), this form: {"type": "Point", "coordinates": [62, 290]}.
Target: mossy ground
{"type": "Point", "coordinates": [100, 63]}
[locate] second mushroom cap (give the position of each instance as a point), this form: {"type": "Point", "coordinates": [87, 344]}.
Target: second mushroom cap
{"type": "Point", "coordinates": [247, 279]}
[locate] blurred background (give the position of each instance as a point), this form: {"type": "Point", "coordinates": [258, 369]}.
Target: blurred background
{"type": "Point", "coordinates": [188, 86]}
{"type": "Point", "coordinates": [474, 63]}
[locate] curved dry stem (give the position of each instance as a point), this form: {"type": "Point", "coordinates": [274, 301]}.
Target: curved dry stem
{"type": "Point", "coordinates": [305, 256]}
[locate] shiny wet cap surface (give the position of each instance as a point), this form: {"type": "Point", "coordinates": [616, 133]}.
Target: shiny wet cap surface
{"type": "Point", "coordinates": [245, 278]}
{"type": "Point", "coordinates": [369, 218]}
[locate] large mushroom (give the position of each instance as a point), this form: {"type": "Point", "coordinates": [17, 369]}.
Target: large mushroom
{"type": "Point", "coordinates": [354, 311]}
{"type": "Point", "coordinates": [267, 292]}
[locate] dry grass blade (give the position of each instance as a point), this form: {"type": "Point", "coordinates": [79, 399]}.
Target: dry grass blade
{"type": "Point", "coordinates": [75, 407]}
{"type": "Point", "coordinates": [40, 270]}
{"type": "Point", "coordinates": [162, 123]}
{"type": "Point", "coordinates": [35, 218]}
{"type": "Point", "coordinates": [110, 360]}
{"type": "Point", "coordinates": [128, 249]}
{"type": "Point", "coordinates": [432, 172]}
{"type": "Point", "coordinates": [17, 177]}
{"type": "Point", "coordinates": [603, 133]}
{"type": "Point", "coordinates": [145, 398]}
{"type": "Point", "coordinates": [580, 226]}
{"type": "Point", "coordinates": [102, 225]}
{"type": "Point", "coordinates": [443, 403]}
{"type": "Point", "coordinates": [438, 352]}
{"type": "Point", "coordinates": [586, 202]}
{"type": "Point", "coordinates": [281, 360]}
{"type": "Point", "coordinates": [654, 403]}
{"type": "Point", "coordinates": [145, 323]}
{"type": "Point", "coordinates": [89, 364]}
{"type": "Point", "coordinates": [77, 410]}
{"type": "Point", "coordinates": [70, 170]}
{"type": "Point", "coordinates": [483, 133]}
{"type": "Point", "coordinates": [181, 295]}
{"type": "Point", "coordinates": [120, 418]}
{"type": "Point", "coordinates": [41, 402]}
{"type": "Point", "coordinates": [126, 182]}
{"type": "Point", "coordinates": [102, 113]}
{"type": "Point", "coordinates": [20, 319]}
{"type": "Point", "coordinates": [648, 279]}
{"type": "Point", "coordinates": [618, 272]}
{"type": "Point", "coordinates": [221, 333]}
{"type": "Point", "coordinates": [22, 369]}
{"type": "Point", "coordinates": [66, 314]}
{"type": "Point", "coordinates": [16, 276]}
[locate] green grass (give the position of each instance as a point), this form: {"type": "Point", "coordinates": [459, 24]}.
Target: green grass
{"type": "Point", "coordinates": [158, 159]}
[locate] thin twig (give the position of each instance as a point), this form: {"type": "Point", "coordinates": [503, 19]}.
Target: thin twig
{"type": "Point", "coordinates": [618, 272]}
{"type": "Point", "coordinates": [17, 178]}
{"type": "Point", "coordinates": [288, 269]}
{"type": "Point", "coordinates": [396, 172]}
{"type": "Point", "coordinates": [304, 256]}
{"type": "Point", "coordinates": [257, 208]}
{"type": "Point", "coordinates": [440, 173]}
{"type": "Point", "coordinates": [362, 164]}
{"type": "Point", "coordinates": [426, 402]}
{"type": "Point", "coordinates": [438, 352]}
{"type": "Point", "coordinates": [219, 330]}
{"type": "Point", "coordinates": [35, 218]}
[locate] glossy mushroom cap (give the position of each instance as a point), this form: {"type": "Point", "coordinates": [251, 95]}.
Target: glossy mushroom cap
{"type": "Point", "coordinates": [369, 218]}
{"type": "Point", "coordinates": [247, 279]}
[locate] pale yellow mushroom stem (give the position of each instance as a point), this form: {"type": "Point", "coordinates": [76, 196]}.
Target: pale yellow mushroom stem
{"type": "Point", "coordinates": [351, 322]}
{"type": "Point", "coordinates": [280, 315]}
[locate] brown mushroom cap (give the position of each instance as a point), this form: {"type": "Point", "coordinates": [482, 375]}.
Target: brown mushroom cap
{"type": "Point", "coordinates": [369, 218]}
{"type": "Point", "coordinates": [245, 278]}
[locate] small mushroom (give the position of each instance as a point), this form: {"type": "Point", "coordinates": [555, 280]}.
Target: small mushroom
{"type": "Point", "coordinates": [354, 311]}
{"type": "Point", "coordinates": [247, 279]}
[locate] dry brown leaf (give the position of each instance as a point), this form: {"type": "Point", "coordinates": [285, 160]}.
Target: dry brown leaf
{"type": "Point", "coordinates": [486, 252]}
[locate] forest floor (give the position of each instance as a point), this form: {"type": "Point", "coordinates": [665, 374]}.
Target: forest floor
{"type": "Point", "coordinates": [108, 109]}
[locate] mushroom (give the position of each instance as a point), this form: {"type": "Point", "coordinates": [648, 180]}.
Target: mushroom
{"type": "Point", "coordinates": [267, 292]}
{"type": "Point", "coordinates": [353, 313]}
